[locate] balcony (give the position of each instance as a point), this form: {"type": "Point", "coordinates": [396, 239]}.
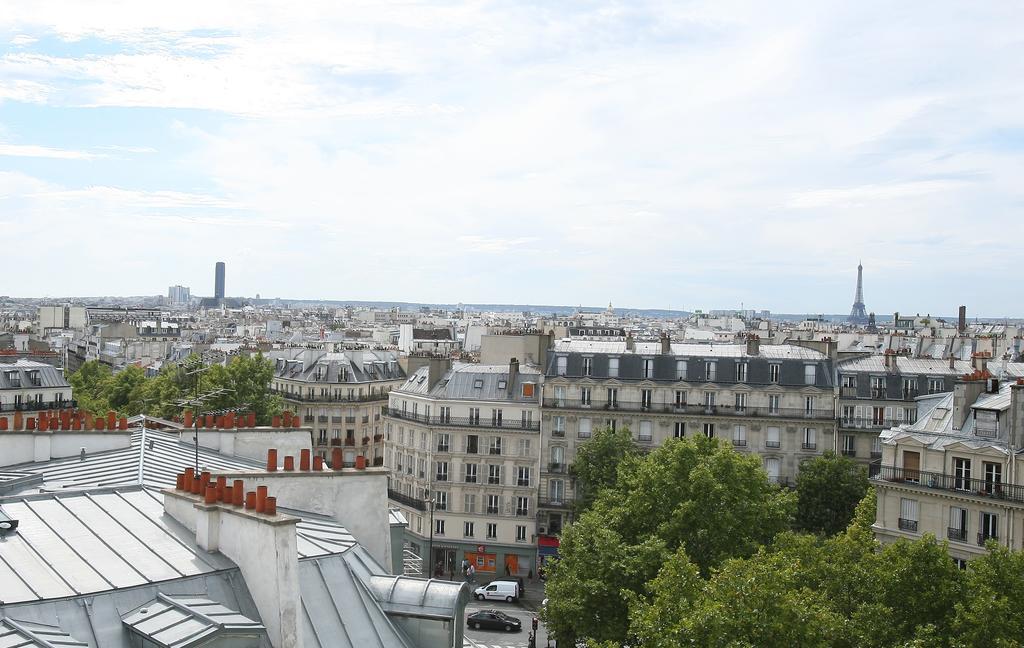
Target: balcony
{"type": "Point", "coordinates": [849, 452]}
{"type": "Point", "coordinates": [495, 451]}
{"type": "Point", "coordinates": [457, 421]}
{"type": "Point", "coordinates": [696, 409]}
{"type": "Point", "coordinates": [907, 525]}
{"type": "Point", "coordinates": [38, 406]}
{"type": "Point", "coordinates": [772, 444]}
{"type": "Point", "coordinates": [960, 535]}
{"type": "Point", "coordinates": [350, 419]}
{"type": "Point", "coordinates": [984, 537]}
{"type": "Point", "coordinates": [739, 443]}
{"type": "Point", "coordinates": [962, 485]}
{"type": "Point", "coordinates": [394, 495]}
{"type": "Point", "coordinates": [308, 418]}
{"type": "Point", "coordinates": [556, 468]}
{"type": "Point", "coordinates": [366, 440]}
{"type": "Point", "coordinates": [554, 502]}
{"type": "Point", "coordinates": [867, 422]}
{"type": "Point", "coordinates": [350, 441]}
{"type": "Point", "coordinates": [322, 419]}
{"type": "Point", "coordinates": [558, 434]}
{"type": "Point", "coordinates": [808, 446]}
{"type": "Point", "coordinates": [335, 442]}
{"type": "Point", "coordinates": [444, 448]}
{"type": "Point", "coordinates": [329, 398]}
{"type": "Point", "coordinates": [848, 392]}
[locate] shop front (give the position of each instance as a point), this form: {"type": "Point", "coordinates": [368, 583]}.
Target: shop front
{"type": "Point", "coordinates": [547, 549]}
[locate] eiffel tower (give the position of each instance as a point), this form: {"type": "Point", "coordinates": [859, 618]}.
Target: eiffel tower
{"type": "Point", "coordinates": [859, 315]}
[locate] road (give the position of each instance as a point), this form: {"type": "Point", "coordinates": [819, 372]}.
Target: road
{"type": "Point", "coordinates": [498, 638]}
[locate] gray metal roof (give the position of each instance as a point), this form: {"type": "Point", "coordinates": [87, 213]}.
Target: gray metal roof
{"type": "Point", "coordinates": [49, 376]}
{"type": "Point", "coordinates": [469, 381]}
{"type": "Point", "coordinates": [186, 621]}
{"type": "Point", "coordinates": [770, 351]}
{"type": "Point", "coordinates": [21, 634]}
{"type": "Point", "coordinates": [363, 366]}
{"type": "Point", "coordinates": [164, 460]}
{"type": "Point", "coordinates": [82, 543]}
{"type": "Point", "coordinates": [418, 596]}
{"type": "Point", "coordinates": [903, 364]}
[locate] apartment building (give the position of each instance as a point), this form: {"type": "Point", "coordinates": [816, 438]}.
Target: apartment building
{"type": "Point", "coordinates": [958, 471]}
{"type": "Point", "coordinates": [776, 401]}
{"type": "Point", "coordinates": [463, 443]}
{"type": "Point", "coordinates": [29, 386]}
{"type": "Point", "coordinates": [340, 396]}
{"type": "Point", "coordinates": [878, 392]}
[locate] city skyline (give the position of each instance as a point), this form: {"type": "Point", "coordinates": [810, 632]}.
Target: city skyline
{"type": "Point", "coordinates": [698, 156]}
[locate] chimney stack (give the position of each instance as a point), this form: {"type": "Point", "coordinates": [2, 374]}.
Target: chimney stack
{"type": "Point", "coordinates": [630, 342]}
{"type": "Point", "coordinates": [513, 373]}
{"type": "Point", "coordinates": [666, 344]}
{"type": "Point", "coordinates": [753, 344]}
{"type": "Point", "coordinates": [961, 325]}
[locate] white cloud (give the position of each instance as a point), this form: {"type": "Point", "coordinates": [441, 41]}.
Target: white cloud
{"type": "Point", "coordinates": [31, 150]}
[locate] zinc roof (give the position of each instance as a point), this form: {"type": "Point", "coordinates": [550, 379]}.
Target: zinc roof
{"type": "Point", "coordinates": [49, 376]}
{"type": "Point", "coordinates": [771, 351]}
{"type": "Point", "coordinates": [186, 621]}
{"type": "Point", "coordinates": [23, 634]}
{"type": "Point", "coordinates": [903, 364]}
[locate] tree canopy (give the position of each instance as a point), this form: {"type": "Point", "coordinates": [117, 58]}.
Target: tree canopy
{"type": "Point", "coordinates": [130, 392]}
{"type": "Point", "coordinates": [828, 490]}
{"type": "Point", "coordinates": [597, 462]}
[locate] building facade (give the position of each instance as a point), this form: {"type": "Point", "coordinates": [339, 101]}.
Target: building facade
{"type": "Point", "coordinates": [958, 471]}
{"type": "Point", "coordinates": [28, 386]}
{"type": "Point", "coordinates": [776, 401]}
{"type": "Point", "coordinates": [878, 392]}
{"type": "Point", "coordinates": [340, 396]}
{"type": "Point", "coordinates": [463, 448]}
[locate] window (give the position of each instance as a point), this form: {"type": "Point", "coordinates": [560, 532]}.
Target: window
{"type": "Point", "coordinates": [558, 425]}
{"type": "Point", "coordinates": [877, 386]}
{"type": "Point", "coordinates": [492, 530]}
{"type": "Point", "coordinates": [772, 438]}
{"type": "Point", "coordinates": [986, 423]}
{"type": "Point", "coordinates": [502, 384]}
{"type": "Point", "coordinates": [559, 395]}
{"type": "Point", "coordinates": [741, 372]}
{"type": "Point", "coordinates": [469, 473]}
{"type": "Point", "coordinates": [557, 456]}
{"type": "Point", "coordinates": [478, 383]}
{"type": "Point", "coordinates": [585, 396]}
{"type": "Point", "coordinates": [849, 445]}
{"type": "Point", "coordinates": [494, 474]}
{"type": "Point", "coordinates": [808, 405]}
{"type": "Point", "coordinates": [495, 448]}
{"type": "Point", "coordinates": [443, 441]}
{"type": "Point", "coordinates": [680, 429]}
{"type": "Point", "coordinates": [709, 400]}
{"type": "Point", "coordinates": [809, 374]}
{"type": "Point", "coordinates": [446, 414]}
{"type": "Point", "coordinates": [909, 388]}
{"type": "Point", "coordinates": [961, 473]}
{"type": "Point", "coordinates": [440, 501]}
{"type": "Point", "coordinates": [472, 444]}
{"type": "Point", "coordinates": [562, 363]}
{"type": "Point", "coordinates": [474, 416]}
{"type": "Point", "coordinates": [584, 428]}
{"type": "Point", "coordinates": [680, 369]}
{"type": "Point", "coordinates": [848, 415]}
{"type": "Point", "coordinates": [422, 466]}
{"type": "Point", "coordinates": [556, 491]}
{"type": "Point", "coordinates": [773, 403]}
{"type": "Point", "coordinates": [957, 524]}
{"type": "Point", "coordinates": [438, 527]}
{"type": "Point", "coordinates": [849, 381]}
{"type": "Point", "coordinates": [493, 504]}
{"type": "Point", "coordinates": [522, 506]}
{"type": "Point", "coordinates": [908, 515]}
{"type": "Point", "coordinates": [613, 367]}
{"type": "Point", "coordinates": [398, 461]}
{"type": "Point", "coordinates": [876, 447]}
{"type": "Point", "coordinates": [524, 448]}
{"type": "Point", "coordinates": [588, 364]}
{"type": "Point", "coordinates": [710, 370]}
{"type": "Point", "coordinates": [739, 435]}
{"type": "Point", "coordinates": [523, 476]}
{"type": "Point", "coordinates": [467, 529]}
{"type": "Point", "coordinates": [469, 503]}
{"type": "Point", "coordinates": [771, 466]}
{"type": "Point", "coordinates": [993, 476]}
{"type": "Point", "coordinates": [989, 527]}
{"type": "Point", "coordinates": [496, 417]}
{"type": "Point", "coordinates": [773, 373]}
{"type": "Point", "coordinates": [442, 470]}
{"type": "Point", "coordinates": [910, 415]}
{"type": "Point", "coordinates": [648, 368]}
{"type": "Point", "coordinates": [936, 386]}
{"type": "Point", "coordinates": [610, 424]}
{"type": "Point", "coordinates": [645, 430]}
{"type": "Point", "coordinates": [878, 416]}
{"type": "Point", "coordinates": [709, 430]}
{"type": "Point", "coordinates": [680, 398]}
{"type": "Point", "coordinates": [520, 533]}
{"type": "Point", "coordinates": [810, 441]}
{"type": "Point", "coordinates": [423, 439]}
{"type": "Point", "coordinates": [741, 402]}
{"type": "Point", "coordinates": [613, 397]}
{"type": "Point", "coordinates": [645, 398]}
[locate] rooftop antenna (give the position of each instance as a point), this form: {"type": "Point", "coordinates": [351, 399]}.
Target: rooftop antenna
{"type": "Point", "coordinates": [197, 401]}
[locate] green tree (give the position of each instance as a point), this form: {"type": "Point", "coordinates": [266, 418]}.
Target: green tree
{"type": "Point", "coordinates": [828, 490]}
{"type": "Point", "coordinates": [991, 614]}
{"type": "Point", "coordinates": [597, 462]}
{"type": "Point", "coordinates": [691, 493]}
{"type": "Point", "coordinates": [90, 386]}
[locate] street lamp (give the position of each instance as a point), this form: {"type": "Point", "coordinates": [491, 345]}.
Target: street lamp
{"type": "Point", "coordinates": [429, 501]}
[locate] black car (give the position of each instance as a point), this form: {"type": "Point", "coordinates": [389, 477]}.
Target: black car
{"type": "Point", "coordinates": [493, 620]}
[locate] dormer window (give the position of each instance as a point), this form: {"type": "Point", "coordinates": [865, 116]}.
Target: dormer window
{"type": "Point", "coordinates": [478, 383]}
{"type": "Point", "coordinates": [502, 384]}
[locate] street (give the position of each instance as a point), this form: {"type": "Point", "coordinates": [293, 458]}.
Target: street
{"type": "Point", "coordinates": [498, 638]}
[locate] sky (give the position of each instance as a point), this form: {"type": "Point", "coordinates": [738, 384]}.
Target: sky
{"type": "Point", "coordinates": [650, 154]}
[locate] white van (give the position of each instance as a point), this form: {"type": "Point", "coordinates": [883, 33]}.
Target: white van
{"type": "Point", "coordinates": [498, 591]}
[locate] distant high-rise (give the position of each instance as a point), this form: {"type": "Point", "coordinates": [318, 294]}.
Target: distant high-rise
{"type": "Point", "coordinates": [178, 294]}
{"type": "Point", "coordinates": [218, 282]}
{"type": "Point", "coordinates": [859, 314]}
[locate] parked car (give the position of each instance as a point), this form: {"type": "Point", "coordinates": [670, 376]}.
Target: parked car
{"type": "Point", "coordinates": [498, 591]}
{"type": "Point", "coordinates": [493, 620]}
